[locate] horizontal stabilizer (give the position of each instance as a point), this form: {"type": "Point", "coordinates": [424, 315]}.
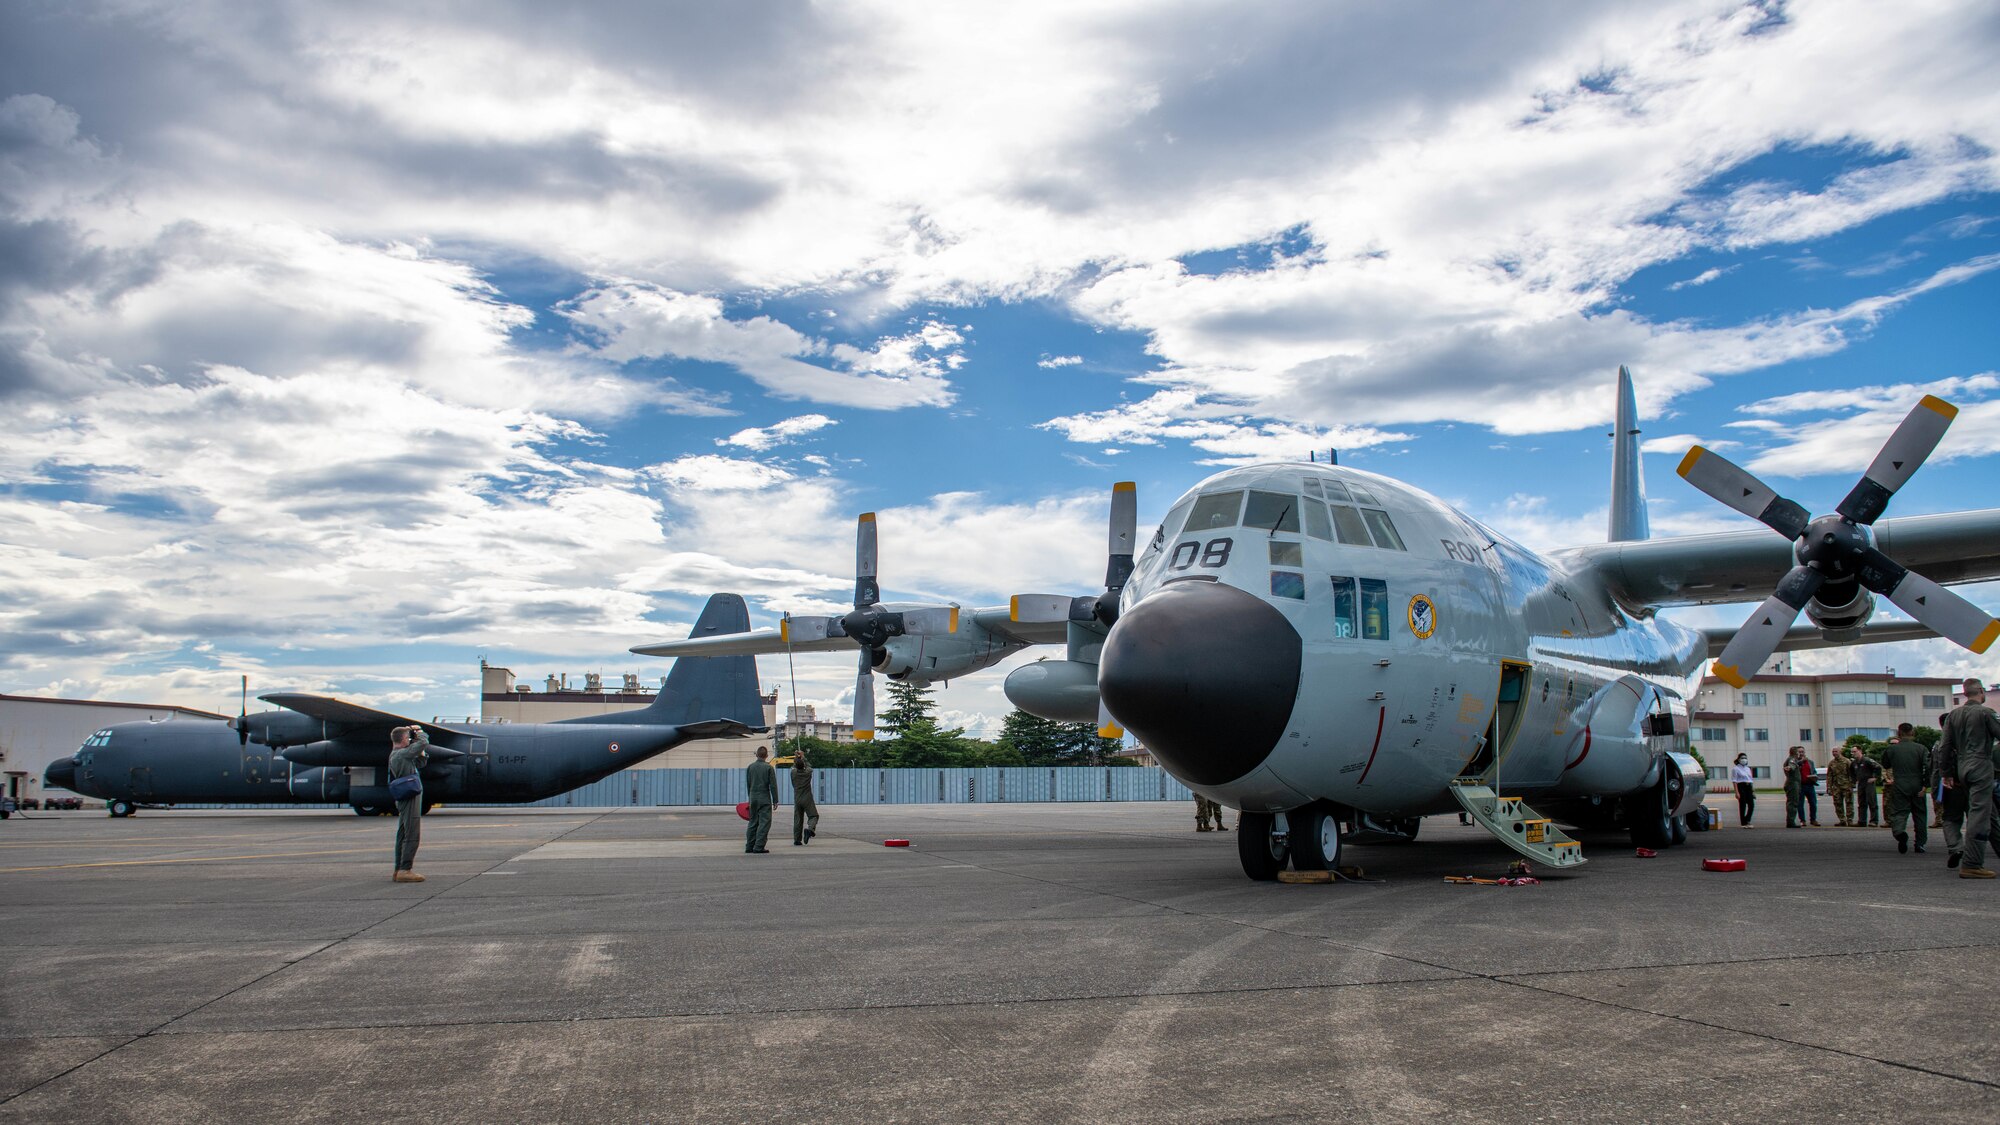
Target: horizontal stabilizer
{"type": "Point", "coordinates": [719, 728]}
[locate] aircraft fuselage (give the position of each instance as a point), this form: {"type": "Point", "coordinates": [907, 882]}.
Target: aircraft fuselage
{"type": "Point", "coordinates": [1307, 633]}
{"type": "Point", "coordinates": [204, 763]}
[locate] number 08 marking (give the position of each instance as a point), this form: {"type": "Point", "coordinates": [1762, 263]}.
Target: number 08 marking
{"type": "Point", "coordinates": [1214, 554]}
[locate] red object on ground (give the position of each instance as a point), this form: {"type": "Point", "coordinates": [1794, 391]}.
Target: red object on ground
{"type": "Point", "coordinates": [895, 843]}
{"type": "Point", "coordinates": [1723, 865]}
{"type": "Point", "coordinates": [743, 809]}
{"type": "Point", "coordinates": [1646, 853]}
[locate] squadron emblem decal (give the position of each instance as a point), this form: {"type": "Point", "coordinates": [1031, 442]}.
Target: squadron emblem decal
{"type": "Point", "coordinates": [1423, 616]}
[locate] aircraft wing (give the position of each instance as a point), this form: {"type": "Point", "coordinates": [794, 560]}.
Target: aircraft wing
{"type": "Point", "coordinates": [768, 642]}
{"type": "Point", "coordinates": [1809, 636]}
{"type": "Point", "coordinates": [329, 709]}
{"type": "Point", "coordinates": [1745, 566]}
{"type": "Point", "coordinates": [998, 621]}
{"type": "Point", "coordinates": [756, 642]}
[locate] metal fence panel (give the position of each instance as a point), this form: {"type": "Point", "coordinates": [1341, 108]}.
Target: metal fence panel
{"type": "Point", "coordinates": [1175, 790]}
{"type": "Point", "coordinates": [850, 787]}
{"type": "Point", "coordinates": [1080, 783]}
{"type": "Point", "coordinates": [956, 785]}
{"type": "Point", "coordinates": [721, 787]}
{"type": "Point", "coordinates": [1025, 783]}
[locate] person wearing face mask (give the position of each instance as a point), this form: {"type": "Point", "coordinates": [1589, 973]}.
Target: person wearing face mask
{"type": "Point", "coordinates": [1746, 790]}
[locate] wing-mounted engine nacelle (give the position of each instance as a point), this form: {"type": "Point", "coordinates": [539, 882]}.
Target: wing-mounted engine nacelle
{"type": "Point", "coordinates": [327, 784]}
{"type": "Point", "coordinates": [282, 728]}
{"type": "Point", "coordinates": [947, 656]}
{"type": "Point", "coordinates": [1840, 611]}
{"type": "Point", "coordinates": [1061, 690]}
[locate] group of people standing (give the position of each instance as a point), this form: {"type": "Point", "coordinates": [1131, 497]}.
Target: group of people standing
{"type": "Point", "coordinates": [1958, 773]}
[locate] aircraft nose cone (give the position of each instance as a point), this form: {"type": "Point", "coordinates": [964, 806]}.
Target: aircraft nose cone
{"type": "Point", "coordinates": [1205, 675]}
{"type": "Point", "coordinates": [61, 772]}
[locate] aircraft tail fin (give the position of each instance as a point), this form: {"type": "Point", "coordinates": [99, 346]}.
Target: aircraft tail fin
{"type": "Point", "coordinates": [1628, 487]}
{"type": "Point", "coordinates": [709, 688]}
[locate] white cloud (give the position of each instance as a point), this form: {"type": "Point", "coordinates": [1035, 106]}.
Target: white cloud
{"type": "Point", "coordinates": [635, 321]}
{"type": "Point", "coordinates": [1702, 278]}
{"type": "Point", "coordinates": [1059, 361]}
{"type": "Point", "coordinates": [1867, 416]}
{"type": "Point", "coordinates": [707, 472]}
{"type": "Point", "coordinates": [757, 440]}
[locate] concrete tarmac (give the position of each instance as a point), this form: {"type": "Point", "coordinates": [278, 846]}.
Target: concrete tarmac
{"type": "Point", "coordinates": [1092, 963]}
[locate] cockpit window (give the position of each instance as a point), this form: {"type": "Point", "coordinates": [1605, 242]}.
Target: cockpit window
{"type": "Point", "coordinates": [1312, 486]}
{"type": "Point", "coordinates": [1219, 509]}
{"type": "Point", "coordinates": [1348, 523]}
{"type": "Point", "coordinates": [1362, 495]}
{"type": "Point", "coordinates": [1316, 521]}
{"type": "Point", "coordinates": [1171, 526]}
{"type": "Point", "coordinates": [1337, 491]}
{"type": "Point", "coordinates": [1272, 511]}
{"type": "Point", "coordinates": [1385, 532]}
{"type": "Point", "coordinates": [1287, 554]}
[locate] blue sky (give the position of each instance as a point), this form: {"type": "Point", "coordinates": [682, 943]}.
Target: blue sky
{"type": "Point", "coordinates": [347, 346]}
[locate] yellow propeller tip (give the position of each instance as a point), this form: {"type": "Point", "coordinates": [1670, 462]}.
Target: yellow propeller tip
{"type": "Point", "coordinates": [864, 736]}
{"type": "Point", "coordinates": [1986, 637]}
{"type": "Point", "coordinates": [867, 517]}
{"type": "Point", "coordinates": [1728, 675]}
{"type": "Point", "coordinates": [1687, 463]}
{"type": "Point", "coordinates": [1939, 406]}
{"type": "Point", "coordinates": [1125, 486]}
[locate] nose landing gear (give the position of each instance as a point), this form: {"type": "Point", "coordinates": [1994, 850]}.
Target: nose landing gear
{"type": "Point", "coordinates": [1263, 845]}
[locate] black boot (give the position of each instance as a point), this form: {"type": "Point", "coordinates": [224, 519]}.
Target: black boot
{"type": "Point", "coordinates": [1902, 842]}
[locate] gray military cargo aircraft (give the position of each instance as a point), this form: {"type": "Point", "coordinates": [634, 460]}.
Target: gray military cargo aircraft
{"type": "Point", "coordinates": [320, 750]}
{"type": "Point", "coordinates": [1339, 654]}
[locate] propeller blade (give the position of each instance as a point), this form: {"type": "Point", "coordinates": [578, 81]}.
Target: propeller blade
{"type": "Point", "coordinates": [1735, 486]}
{"type": "Point", "coordinates": [864, 700]}
{"type": "Point", "coordinates": [1124, 534]}
{"type": "Point", "coordinates": [866, 591]}
{"type": "Point", "coordinates": [799, 630]}
{"type": "Point", "coordinates": [1043, 609]}
{"type": "Point", "coordinates": [1946, 613]}
{"type": "Point", "coordinates": [930, 622]}
{"type": "Point", "coordinates": [1760, 636]}
{"type": "Point", "coordinates": [243, 715]}
{"type": "Point", "coordinates": [1915, 437]}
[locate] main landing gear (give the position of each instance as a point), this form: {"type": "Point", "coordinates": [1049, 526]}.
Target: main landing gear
{"type": "Point", "coordinates": [120, 807]}
{"type": "Point", "coordinates": [1307, 839]}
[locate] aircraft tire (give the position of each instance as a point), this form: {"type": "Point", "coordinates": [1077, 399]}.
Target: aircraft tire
{"type": "Point", "coordinates": [1262, 852]}
{"type": "Point", "coordinates": [119, 808]}
{"type": "Point", "coordinates": [1647, 810]}
{"type": "Point", "coordinates": [1679, 834]}
{"type": "Point", "coordinates": [1315, 838]}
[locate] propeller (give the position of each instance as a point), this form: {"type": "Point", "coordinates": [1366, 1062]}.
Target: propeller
{"type": "Point", "coordinates": [243, 715]}
{"type": "Point", "coordinates": [869, 624]}
{"type": "Point", "coordinates": [1836, 553]}
{"type": "Point", "coordinates": [1093, 614]}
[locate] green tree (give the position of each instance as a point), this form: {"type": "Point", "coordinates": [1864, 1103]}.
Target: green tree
{"type": "Point", "coordinates": [1928, 736]}
{"type": "Point", "coordinates": [910, 708]}
{"type": "Point", "coordinates": [1861, 740]}
{"type": "Point", "coordinates": [1046, 742]}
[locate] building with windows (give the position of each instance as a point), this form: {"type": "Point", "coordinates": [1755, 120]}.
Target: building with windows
{"type": "Point", "coordinates": [803, 721]}
{"type": "Point", "coordinates": [503, 700]}
{"type": "Point", "coordinates": [1779, 710]}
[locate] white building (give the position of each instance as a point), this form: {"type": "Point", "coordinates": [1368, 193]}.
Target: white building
{"type": "Point", "coordinates": [1779, 710]}
{"type": "Point", "coordinates": [35, 731]}
{"type": "Point", "coordinates": [503, 700]}
{"type": "Point", "coordinates": [803, 721]}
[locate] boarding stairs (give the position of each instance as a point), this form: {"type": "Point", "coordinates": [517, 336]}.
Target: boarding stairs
{"type": "Point", "coordinates": [1516, 825]}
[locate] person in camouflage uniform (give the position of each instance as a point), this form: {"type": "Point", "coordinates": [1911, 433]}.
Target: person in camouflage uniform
{"type": "Point", "coordinates": [1840, 785]}
{"type": "Point", "coordinates": [805, 810]}
{"type": "Point", "coordinates": [1205, 811]}
{"type": "Point", "coordinates": [1793, 814]}
{"type": "Point", "coordinates": [1969, 747]}
{"type": "Point", "coordinates": [1867, 781]}
{"type": "Point", "coordinates": [1906, 778]}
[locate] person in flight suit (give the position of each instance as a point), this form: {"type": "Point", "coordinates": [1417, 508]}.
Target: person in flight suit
{"type": "Point", "coordinates": [805, 810]}
{"type": "Point", "coordinates": [1972, 740]}
{"type": "Point", "coordinates": [1906, 769]}
{"type": "Point", "coordinates": [763, 784]}
{"type": "Point", "coordinates": [409, 752]}
{"type": "Point", "coordinates": [1840, 784]}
